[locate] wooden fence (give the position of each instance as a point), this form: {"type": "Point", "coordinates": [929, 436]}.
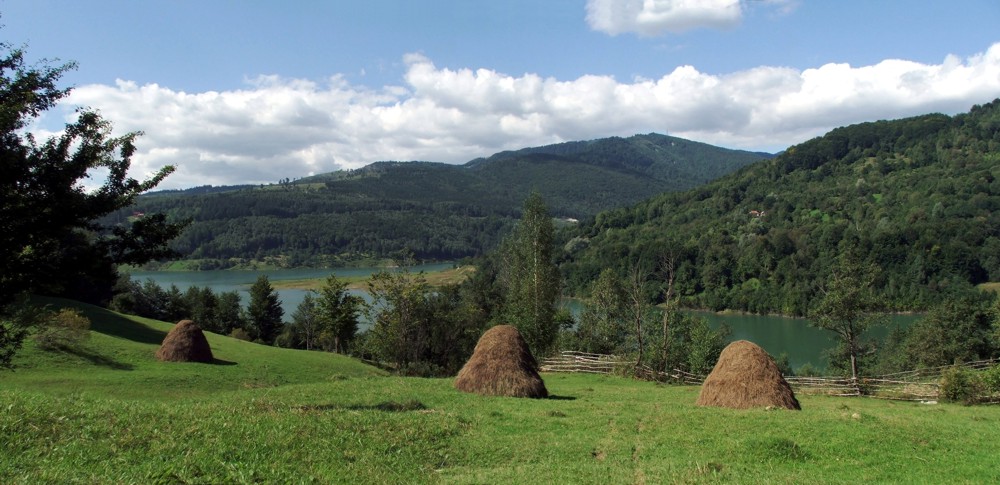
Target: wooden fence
{"type": "Point", "coordinates": [915, 385]}
{"type": "Point", "coordinates": [572, 361]}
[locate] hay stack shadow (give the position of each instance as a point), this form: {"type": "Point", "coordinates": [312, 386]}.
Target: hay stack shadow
{"type": "Point", "coordinates": [185, 343]}
{"type": "Point", "coordinates": [501, 365]}
{"type": "Point", "coordinates": [746, 377]}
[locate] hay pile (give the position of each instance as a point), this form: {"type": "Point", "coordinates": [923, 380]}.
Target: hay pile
{"type": "Point", "coordinates": [185, 343]}
{"type": "Point", "coordinates": [501, 365]}
{"type": "Point", "coordinates": [746, 377]}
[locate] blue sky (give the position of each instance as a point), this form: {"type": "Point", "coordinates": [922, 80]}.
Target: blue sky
{"type": "Point", "coordinates": [254, 91]}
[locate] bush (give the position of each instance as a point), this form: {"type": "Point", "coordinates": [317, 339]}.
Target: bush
{"type": "Point", "coordinates": [960, 385]}
{"type": "Point", "coordinates": [65, 328]}
{"type": "Point", "coordinates": [808, 370]}
{"type": "Point", "coordinates": [990, 379]}
{"type": "Point", "coordinates": [240, 334]}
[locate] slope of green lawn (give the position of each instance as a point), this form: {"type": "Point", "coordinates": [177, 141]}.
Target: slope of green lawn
{"type": "Point", "coordinates": [268, 415]}
{"type": "Point", "coordinates": [118, 361]}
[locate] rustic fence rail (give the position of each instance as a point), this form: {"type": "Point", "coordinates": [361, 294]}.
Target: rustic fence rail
{"type": "Point", "coordinates": [572, 361]}
{"type": "Point", "coordinates": [915, 385]}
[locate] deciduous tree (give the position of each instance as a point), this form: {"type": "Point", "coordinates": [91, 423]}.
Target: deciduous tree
{"type": "Point", "coordinates": [530, 278]}
{"type": "Point", "coordinates": [603, 322]}
{"type": "Point", "coordinates": [337, 314]}
{"type": "Point", "coordinates": [50, 241]}
{"type": "Point", "coordinates": [849, 307]}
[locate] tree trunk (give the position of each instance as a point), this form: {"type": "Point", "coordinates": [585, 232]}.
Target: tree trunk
{"type": "Point", "coordinates": [669, 261]}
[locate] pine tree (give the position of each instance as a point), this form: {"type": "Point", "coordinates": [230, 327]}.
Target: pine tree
{"type": "Point", "coordinates": [264, 313]}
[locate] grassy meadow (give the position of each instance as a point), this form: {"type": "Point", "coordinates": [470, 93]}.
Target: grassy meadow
{"type": "Point", "coordinates": [109, 412]}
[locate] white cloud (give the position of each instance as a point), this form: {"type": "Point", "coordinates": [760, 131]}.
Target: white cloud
{"type": "Point", "coordinates": [657, 17]}
{"type": "Point", "coordinates": [277, 128]}
{"type": "Point", "coordinates": [654, 17]}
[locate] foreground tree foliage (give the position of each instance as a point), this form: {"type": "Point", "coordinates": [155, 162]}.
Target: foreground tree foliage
{"type": "Point", "coordinates": [50, 241]}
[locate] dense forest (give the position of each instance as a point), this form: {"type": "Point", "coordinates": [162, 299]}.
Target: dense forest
{"type": "Point", "coordinates": [917, 197]}
{"type": "Point", "coordinates": [437, 211]}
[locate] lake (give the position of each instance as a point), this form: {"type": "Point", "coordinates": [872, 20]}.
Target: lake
{"type": "Point", "coordinates": [803, 343]}
{"type": "Point", "coordinates": [229, 280]}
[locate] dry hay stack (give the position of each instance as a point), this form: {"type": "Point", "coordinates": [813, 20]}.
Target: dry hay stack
{"type": "Point", "coordinates": [185, 343]}
{"type": "Point", "coordinates": [501, 365]}
{"type": "Point", "coordinates": [746, 377]}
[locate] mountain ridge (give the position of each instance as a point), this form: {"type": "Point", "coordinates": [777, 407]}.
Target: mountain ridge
{"type": "Point", "coordinates": [438, 211]}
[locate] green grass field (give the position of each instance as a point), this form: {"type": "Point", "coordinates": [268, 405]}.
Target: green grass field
{"type": "Point", "coordinates": [110, 412]}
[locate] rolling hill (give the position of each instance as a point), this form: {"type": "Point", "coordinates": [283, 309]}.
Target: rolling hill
{"type": "Point", "coordinates": [438, 211]}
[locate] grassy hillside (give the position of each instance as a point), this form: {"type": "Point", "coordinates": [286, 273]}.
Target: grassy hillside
{"type": "Point", "coordinates": [118, 361]}
{"type": "Point", "coordinates": [114, 414]}
{"type": "Point", "coordinates": [437, 210]}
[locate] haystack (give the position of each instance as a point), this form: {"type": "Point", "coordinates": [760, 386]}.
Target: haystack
{"type": "Point", "coordinates": [185, 343]}
{"type": "Point", "coordinates": [746, 377]}
{"type": "Point", "coordinates": [501, 365]}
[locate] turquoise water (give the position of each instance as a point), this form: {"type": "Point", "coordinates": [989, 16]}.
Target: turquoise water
{"type": "Point", "coordinates": [240, 281]}
{"type": "Point", "coordinates": [794, 336]}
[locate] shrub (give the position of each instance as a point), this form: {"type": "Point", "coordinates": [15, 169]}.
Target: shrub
{"type": "Point", "coordinates": [240, 334]}
{"type": "Point", "coordinates": [990, 379]}
{"type": "Point", "coordinates": [808, 370]}
{"type": "Point", "coordinates": [65, 328]}
{"type": "Point", "coordinates": [960, 385]}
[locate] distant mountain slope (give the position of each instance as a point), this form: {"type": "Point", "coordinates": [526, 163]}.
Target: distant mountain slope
{"type": "Point", "coordinates": [919, 197]}
{"type": "Point", "coordinates": [437, 210]}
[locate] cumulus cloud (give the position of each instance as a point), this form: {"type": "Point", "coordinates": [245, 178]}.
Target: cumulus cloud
{"type": "Point", "coordinates": [657, 17]}
{"type": "Point", "coordinates": [277, 128]}
{"type": "Point", "coordinates": [654, 17]}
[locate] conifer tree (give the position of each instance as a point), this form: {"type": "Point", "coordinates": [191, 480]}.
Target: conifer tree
{"type": "Point", "coordinates": [264, 313]}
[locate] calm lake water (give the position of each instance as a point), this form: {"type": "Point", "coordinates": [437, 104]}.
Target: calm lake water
{"type": "Point", "coordinates": [240, 281]}
{"type": "Point", "coordinates": [803, 343]}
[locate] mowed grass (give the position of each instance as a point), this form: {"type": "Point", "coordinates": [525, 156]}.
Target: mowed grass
{"type": "Point", "coordinates": [116, 415]}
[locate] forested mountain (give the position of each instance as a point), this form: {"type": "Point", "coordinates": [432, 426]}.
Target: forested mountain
{"type": "Point", "coordinates": [438, 211]}
{"type": "Point", "coordinates": [918, 197]}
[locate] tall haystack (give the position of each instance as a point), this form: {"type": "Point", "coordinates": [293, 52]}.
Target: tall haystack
{"type": "Point", "coordinates": [746, 377]}
{"type": "Point", "coordinates": [185, 343]}
{"type": "Point", "coordinates": [501, 365]}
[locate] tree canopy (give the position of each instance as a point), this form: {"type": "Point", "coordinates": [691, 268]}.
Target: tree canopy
{"type": "Point", "coordinates": [50, 240]}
